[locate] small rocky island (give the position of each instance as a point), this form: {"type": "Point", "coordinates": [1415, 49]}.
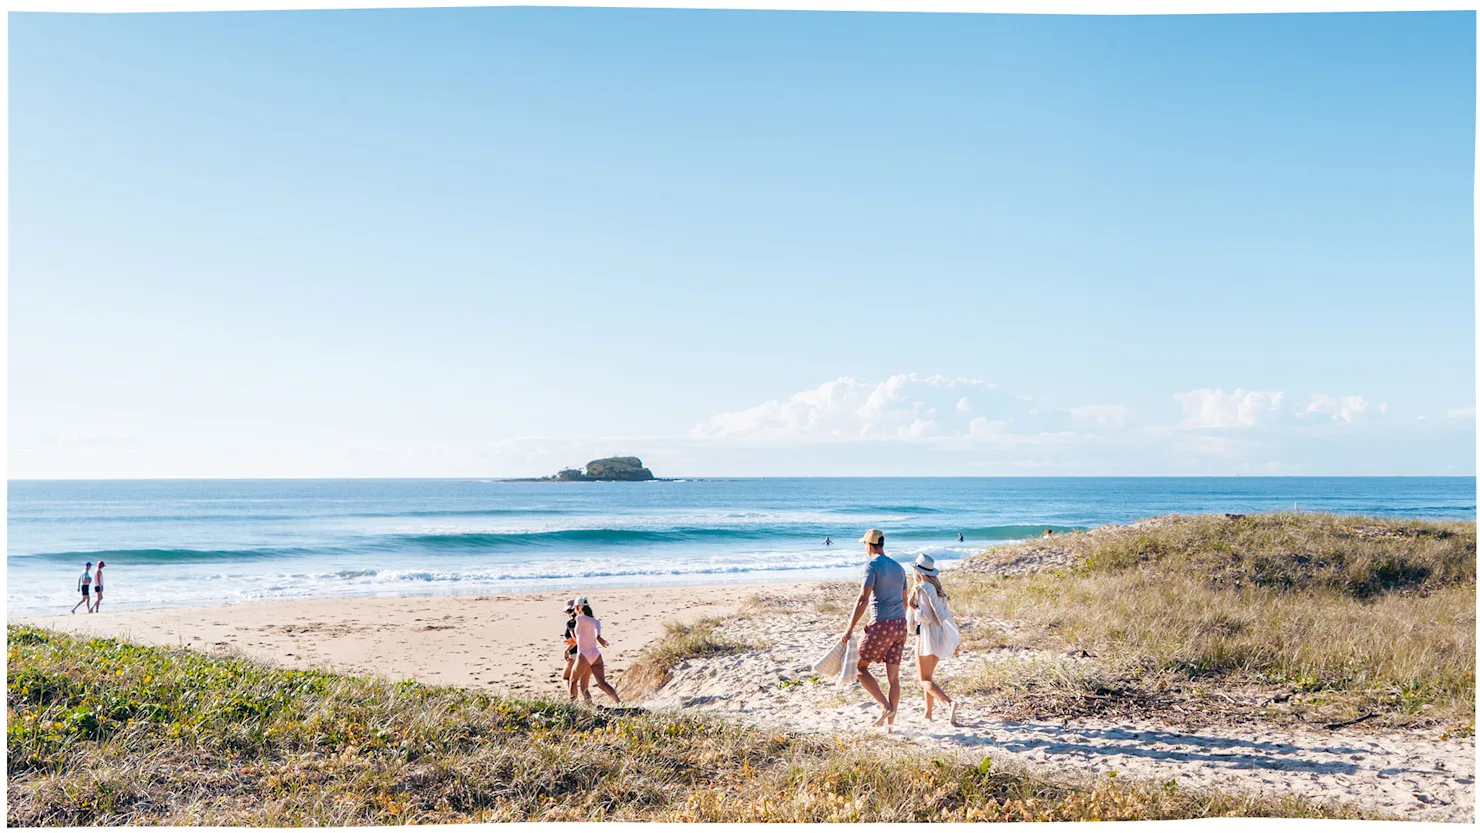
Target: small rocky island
{"type": "Point", "coordinates": [607, 468]}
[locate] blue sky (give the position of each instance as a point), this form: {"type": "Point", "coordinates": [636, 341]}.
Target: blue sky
{"type": "Point", "coordinates": [473, 242]}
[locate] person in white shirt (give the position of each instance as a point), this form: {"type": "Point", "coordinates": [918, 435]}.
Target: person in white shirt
{"type": "Point", "coordinates": [936, 633]}
{"type": "Point", "coordinates": [588, 655]}
{"type": "Point", "coordinates": [98, 588]}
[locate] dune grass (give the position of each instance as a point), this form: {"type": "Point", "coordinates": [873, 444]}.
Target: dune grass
{"type": "Point", "coordinates": [103, 732]}
{"type": "Point", "coordinates": [1381, 610]}
{"type": "Point", "coordinates": [679, 642]}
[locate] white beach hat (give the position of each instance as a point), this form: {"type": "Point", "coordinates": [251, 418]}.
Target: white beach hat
{"type": "Point", "coordinates": [925, 564]}
{"type": "Point", "coordinates": [570, 604]}
{"type": "Point", "coordinates": [580, 601]}
{"type": "Point", "coordinates": [873, 536]}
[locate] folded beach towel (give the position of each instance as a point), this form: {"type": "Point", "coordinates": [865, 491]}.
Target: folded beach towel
{"type": "Point", "coordinates": [848, 674]}
{"type": "Point", "coordinates": [831, 662]}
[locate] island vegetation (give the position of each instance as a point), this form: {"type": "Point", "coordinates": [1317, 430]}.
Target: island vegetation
{"type": "Point", "coordinates": [606, 469]}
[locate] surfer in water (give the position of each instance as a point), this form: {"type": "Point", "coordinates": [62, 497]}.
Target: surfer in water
{"type": "Point", "coordinates": [827, 542]}
{"type": "Point", "coordinates": [961, 536]}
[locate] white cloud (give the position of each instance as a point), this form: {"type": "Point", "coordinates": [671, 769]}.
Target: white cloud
{"type": "Point", "coordinates": [906, 406]}
{"type": "Point", "coordinates": [1213, 408]}
{"type": "Point", "coordinates": [1340, 408]}
{"type": "Point", "coordinates": [1116, 416]}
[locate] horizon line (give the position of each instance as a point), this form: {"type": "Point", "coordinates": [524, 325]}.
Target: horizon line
{"type": "Point", "coordinates": [500, 479]}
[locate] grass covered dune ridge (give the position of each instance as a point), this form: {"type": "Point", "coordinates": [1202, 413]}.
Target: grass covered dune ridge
{"type": "Point", "coordinates": [1359, 615]}
{"type": "Point", "coordinates": [104, 732]}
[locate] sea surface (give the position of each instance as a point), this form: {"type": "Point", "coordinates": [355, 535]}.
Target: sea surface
{"type": "Point", "coordinates": [177, 542]}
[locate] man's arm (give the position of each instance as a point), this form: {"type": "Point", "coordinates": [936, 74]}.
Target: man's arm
{"type": "Point", "coordinates": [858, 609]}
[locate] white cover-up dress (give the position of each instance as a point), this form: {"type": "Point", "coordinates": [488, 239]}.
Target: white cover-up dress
{"type": "Point", "coordinates": [939, 636]}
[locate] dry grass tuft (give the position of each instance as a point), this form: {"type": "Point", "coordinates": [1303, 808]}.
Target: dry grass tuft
{"type": "Point", "coordinates": [1379, 610]}
{"type": "Point", "coordinates": [835, 598]}
{"type": "Point", "coordinates": [679, 642]}
{"type": "Point", "coordinates": [103, 732]}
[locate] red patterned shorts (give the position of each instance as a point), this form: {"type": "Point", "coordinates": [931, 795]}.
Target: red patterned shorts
{"type": "Point", "coordinates": [883, 642]}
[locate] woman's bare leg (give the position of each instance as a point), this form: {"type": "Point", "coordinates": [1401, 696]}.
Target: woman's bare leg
{"type": "Point", "coordinates": [577, 676]}
{"type": "Point", "coordinates": [599, 669]}
{"type": "Point", "coordinates": [926, 664]}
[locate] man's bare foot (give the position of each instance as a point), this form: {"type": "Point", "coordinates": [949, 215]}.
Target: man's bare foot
{"type": "Point", "coordinates": [886, 717]}
{"type": "Point", "coordinates": [955, 704]}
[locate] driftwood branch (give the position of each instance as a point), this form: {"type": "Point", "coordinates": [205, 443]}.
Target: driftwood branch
{"type": "Point", "coordinates": [1352, 722]}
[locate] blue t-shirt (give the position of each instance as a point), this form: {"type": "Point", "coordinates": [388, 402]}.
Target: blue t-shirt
{"type": "Point", "coordinates": [887, 579]}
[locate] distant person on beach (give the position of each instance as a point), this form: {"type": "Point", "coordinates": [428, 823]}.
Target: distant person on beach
{"type": "Point", "coordinates": [961, 536]}
{"type": "Point", "coordinates": [827, 542]}
{"type": "Point", "coordinates": [885, 636]}
{"type": "Point", "coordinates": [84, 583]}
{"type": "Point", "coordinates": [1048, 533]}
{"type": "Point", "coordinates": [936, 633]}
{"type": "Point", "coordinates": [570, 638]}
{"type": "Point", "coordinates": [588, 655]}
{"type": "Point", "coordinates": [98, 587]}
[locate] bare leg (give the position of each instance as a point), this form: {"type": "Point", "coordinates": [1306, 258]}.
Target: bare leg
{"type": "Point", "coordinates": [933, 691]}
{"type": "Point", "coordinates": [85, 601]}
{"type": "Point", "coordinates": [599, 669]}
{"type": "Point", "coordinates": [98, 601]}
{"type": "Point", "coordinates": [871, 685]}
{"type": "Point", "coordinates": [922, 661]}
{"type": "Point", "coordinates": [894, 690]}
{"type": "Point", "coordinates": [581, 669]}
{"type": "Point", "coordinates": [570, 663]}
{"type": "Point", "coordinates": [585, 682]}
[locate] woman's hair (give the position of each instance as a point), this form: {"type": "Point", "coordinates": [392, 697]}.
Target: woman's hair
{"type": "Point", "coordinates": [586, 609]}
{"type": "Point", "coordinates": [921, 578]}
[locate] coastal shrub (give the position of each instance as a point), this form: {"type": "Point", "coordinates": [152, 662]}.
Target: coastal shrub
{"type": "Point", "coordinates": [1308, 601]}
{"type": "Point", "coordinates": [171, 736]}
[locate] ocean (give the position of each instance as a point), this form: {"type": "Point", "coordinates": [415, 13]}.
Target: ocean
{"type": "Point", "coordinates": [176, 542]}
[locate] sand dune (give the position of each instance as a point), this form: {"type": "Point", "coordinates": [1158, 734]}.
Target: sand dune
{"type": "Point", "coordinates": [1413, 775]}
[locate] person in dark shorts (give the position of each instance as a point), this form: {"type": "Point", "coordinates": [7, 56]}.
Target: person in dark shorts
{"type": "Point", "coordinates": [885, 636]}
{"type": "Point", "coordinates": [570, 638]}
{"type": "Point", "coordinates": [84, 583]}
{"type": "Point", "coordinates": [98, 587]}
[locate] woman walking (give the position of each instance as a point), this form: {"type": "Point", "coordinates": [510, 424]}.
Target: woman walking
{"type": "Point", "coordinates": [936, 633]}
{"type": "Point", "coordinates": [570, 639]}
{"type": "Point", "coordinates": [588, 655]}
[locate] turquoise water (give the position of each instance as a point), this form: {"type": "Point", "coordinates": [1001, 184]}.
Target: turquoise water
{"type": "Point", "coordinates": [204, 542]}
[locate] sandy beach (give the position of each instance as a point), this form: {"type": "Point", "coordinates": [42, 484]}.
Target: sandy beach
{"type": "Point", "coordinates": [510, 644]}
{"type": "Point", "coordinates": [502, 643]}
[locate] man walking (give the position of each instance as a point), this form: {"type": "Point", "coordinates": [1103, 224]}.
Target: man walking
{"type": "Point", "coordinates": [885, 636]}
{"type": "Point", "coordinates": [84, 583]}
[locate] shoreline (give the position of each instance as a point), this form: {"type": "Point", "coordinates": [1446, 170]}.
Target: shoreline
{"type": "Point", "coordinates": [753, 581]}
{"type": "Point", "coordinates": [504, 643]}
